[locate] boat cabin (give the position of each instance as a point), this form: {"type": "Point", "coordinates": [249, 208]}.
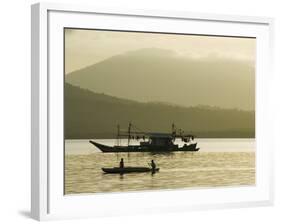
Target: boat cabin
{"type": "Point", "coordinates": [159, 139]}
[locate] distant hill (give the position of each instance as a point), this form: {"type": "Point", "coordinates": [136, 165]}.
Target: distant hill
{"type": "Point", "coordinates": [162, 76]}
{"type": "Point", "coordinates": [94, 115]}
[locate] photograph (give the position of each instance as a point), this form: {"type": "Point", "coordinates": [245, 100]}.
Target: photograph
{"type": "Point", "coordinates": [146, 111]}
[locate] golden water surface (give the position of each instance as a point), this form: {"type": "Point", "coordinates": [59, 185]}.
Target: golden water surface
{"type": "Point", "coordinates": [83, 172]}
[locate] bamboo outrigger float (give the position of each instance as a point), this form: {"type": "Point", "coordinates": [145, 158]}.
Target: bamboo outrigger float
{"type": "Point", "coordinates": [152, 142]}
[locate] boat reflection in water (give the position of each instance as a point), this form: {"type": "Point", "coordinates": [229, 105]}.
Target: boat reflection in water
{"type": "Point", "coordinates": [152, 142]}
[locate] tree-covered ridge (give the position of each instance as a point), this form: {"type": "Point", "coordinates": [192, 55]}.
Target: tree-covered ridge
{"type": "Point", "coordinates": [95, 115]}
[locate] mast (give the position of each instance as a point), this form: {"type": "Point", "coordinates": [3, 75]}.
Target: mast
{"type": "Point", "coordinates": [129, 133]}
{"type": "Point", "coordinates": [174, 132]}
{"type": "Point", "coordinates": [118, 134]}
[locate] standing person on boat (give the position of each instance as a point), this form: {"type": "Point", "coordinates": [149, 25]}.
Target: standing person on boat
{"type": "Point", "coordinates": [121, 164]}
{"type": "Point", "coordinates": [153, 165]}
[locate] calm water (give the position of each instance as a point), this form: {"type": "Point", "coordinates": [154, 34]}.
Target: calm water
{"type": "Point", "coordinates": [218, 163]}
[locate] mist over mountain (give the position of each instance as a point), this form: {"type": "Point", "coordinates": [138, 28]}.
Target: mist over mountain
{"type": "Point", "coordinates": [159, 75]}
{"type": "Point", "coordinates": [94, 115]}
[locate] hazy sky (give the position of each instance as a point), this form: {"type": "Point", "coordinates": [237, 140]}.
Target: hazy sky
{"type": "Point", "coordinates": [87, 47]}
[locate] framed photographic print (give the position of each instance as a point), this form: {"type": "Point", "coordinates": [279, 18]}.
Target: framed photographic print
{"type": "Point", "coordinates": [138, 111]}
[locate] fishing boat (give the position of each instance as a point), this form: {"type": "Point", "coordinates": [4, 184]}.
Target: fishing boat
{"type": "Point", "coordinates": [150, 142]}
{"type": "Point", "coordinates": [129, 170]}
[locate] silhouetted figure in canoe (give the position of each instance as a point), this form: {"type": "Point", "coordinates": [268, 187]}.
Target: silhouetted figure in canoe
{"type": "Point", "coordinates": [153, 165]}
{"type": "Point", "coordinates": [121, 164]}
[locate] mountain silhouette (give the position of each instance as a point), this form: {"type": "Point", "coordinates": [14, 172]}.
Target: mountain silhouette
{"type": "Point", "coordinates": [161, 75]}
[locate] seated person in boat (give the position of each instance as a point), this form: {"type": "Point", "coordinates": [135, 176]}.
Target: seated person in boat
{"type": "Point", "coordinates": [121, 164]}
{"type": "Point", "coordinates": [153, 165]}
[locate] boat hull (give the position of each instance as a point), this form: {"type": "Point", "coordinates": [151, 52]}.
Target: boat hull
{"type": "Point", "coordinates": [148, 148]}
{"type": "Point", "coordinates": [129, 170]}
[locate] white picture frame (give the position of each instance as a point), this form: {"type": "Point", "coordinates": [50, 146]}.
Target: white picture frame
{"type": "Point", "coordinates": [48, 201]}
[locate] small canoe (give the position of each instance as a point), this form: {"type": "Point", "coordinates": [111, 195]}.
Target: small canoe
{"type": "Point", "coordinates": [129, 170]}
